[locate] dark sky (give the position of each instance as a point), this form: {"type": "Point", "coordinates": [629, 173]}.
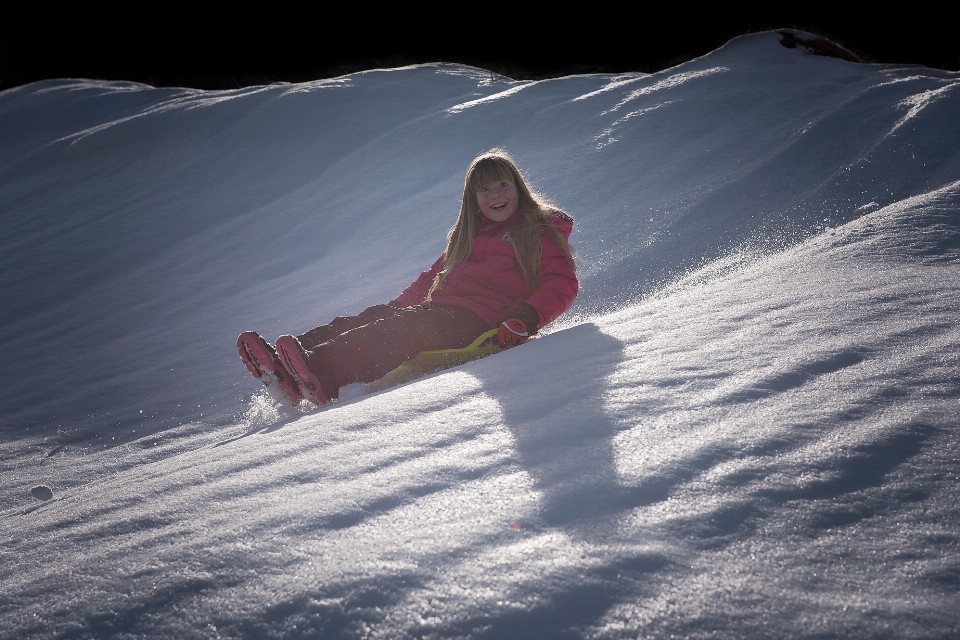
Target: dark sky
{"type": "Point", "coordinates": [518, 39]}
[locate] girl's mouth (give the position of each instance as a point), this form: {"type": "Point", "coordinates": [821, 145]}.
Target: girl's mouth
{"type": "Point", "coordinates": [499, 205]}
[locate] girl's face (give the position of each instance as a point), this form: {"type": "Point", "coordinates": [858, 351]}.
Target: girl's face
{"type": "Point", "coordinates": [498, 200]}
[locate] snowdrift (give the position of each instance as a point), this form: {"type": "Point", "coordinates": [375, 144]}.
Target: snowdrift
{"type": "Point", "coordinates": [746, 427]}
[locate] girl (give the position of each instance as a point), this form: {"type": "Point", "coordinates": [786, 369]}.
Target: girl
{"type": "Point", "coordinates": [507, 264]}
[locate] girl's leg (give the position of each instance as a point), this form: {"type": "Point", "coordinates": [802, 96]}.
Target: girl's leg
{"type": "Point", "coordinates": [342, 324]}
{"type": "Point", "coordinates": [368, 352]}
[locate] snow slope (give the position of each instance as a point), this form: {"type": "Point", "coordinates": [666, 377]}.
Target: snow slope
{"type": "Point", "coordinates": [748, 425]}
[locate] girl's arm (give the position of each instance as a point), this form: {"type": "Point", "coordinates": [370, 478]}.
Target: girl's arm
{"type": "Point", "coordinates": [557, 290]}
{"type": "Point", "coordinates": [558, 281]}
{"type": "Point", "coordinates": [417, 292]}
{"type": "Point", "coordinates": [558, 287]}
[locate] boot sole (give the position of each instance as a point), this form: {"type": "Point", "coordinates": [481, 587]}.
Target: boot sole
{"type": "Point", "coordinates": [262, 362]}
{"type": "Point", "coordinates": [292, 357]}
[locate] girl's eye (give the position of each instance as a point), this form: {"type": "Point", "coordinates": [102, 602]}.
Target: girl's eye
{"type": "Point", "coordinates": [503, 184]}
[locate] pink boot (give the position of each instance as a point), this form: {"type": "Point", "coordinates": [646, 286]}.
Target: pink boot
{"type": "Point", "coordinates": [295, 361]}
{"type": "Point", "coordinates": [263, 363]}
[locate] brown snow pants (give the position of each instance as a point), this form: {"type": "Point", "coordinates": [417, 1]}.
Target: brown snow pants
{"type": "Point", "coordinates": [363, 348]}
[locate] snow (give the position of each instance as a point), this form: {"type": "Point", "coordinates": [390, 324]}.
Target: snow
{"type": "Point", "coordinates": [747, 426]}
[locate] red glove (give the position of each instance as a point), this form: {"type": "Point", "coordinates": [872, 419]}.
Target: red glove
{"type": "Point", "coordinates": [512, 332]}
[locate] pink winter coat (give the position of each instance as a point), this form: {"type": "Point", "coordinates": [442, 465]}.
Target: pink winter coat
{"type": "Point", "coordinates": [490, 284]}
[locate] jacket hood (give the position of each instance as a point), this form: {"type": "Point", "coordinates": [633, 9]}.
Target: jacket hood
{"type": "Point", "coordinates": [562, 221]}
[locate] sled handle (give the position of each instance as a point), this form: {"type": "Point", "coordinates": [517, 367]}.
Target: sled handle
{"type": "Point", "coordinates": [472, 346]}
{"type": "Point", "coordinates": [484, 337]}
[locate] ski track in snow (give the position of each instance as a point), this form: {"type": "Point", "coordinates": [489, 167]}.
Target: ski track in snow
{"type": "Point", "coordinates": [746, 427]}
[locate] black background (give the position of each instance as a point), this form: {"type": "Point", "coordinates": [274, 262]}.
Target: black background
{"type": "Point", "coordinates": [168, 46]}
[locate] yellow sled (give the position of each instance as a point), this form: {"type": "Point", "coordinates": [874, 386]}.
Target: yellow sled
{"type": "Point", "coordinates": [432, 361]}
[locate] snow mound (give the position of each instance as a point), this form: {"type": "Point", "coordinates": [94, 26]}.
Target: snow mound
{"type": "Point", "coordinates": [746, 427]}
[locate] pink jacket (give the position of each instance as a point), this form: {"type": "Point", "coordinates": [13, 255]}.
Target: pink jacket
{"type": "Point", "coordinates": [490, 284]}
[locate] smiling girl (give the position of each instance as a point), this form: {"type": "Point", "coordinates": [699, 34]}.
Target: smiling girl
{"type": "Point", "coordinates": [507, 264]}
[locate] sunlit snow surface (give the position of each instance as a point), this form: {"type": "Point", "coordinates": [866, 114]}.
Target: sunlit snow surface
{"type": "Point", "coordinates": [748, 426]}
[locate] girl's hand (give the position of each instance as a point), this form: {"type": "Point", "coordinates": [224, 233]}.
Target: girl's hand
{"type": "Point", "coordinates": [512, 332]}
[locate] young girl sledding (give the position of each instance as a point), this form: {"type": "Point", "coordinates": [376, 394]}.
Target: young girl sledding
{"type": "Point", "coordinates": [507, 265]}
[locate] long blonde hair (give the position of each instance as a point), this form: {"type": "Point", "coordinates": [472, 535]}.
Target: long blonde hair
{"type": "Point", "coordinates": [533, 216]}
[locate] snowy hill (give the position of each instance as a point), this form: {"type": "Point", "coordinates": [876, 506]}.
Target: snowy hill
{"type": "Point", "coordinates": [746, 427]}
